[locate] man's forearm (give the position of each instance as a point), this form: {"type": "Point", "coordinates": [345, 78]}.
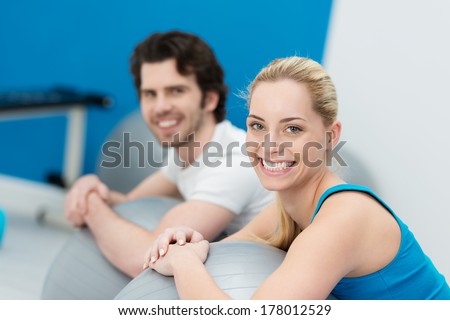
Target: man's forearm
{"type": "Point", "coordinates": [116, 197]}
{"type": "Point", "coordinates": [123, 243]}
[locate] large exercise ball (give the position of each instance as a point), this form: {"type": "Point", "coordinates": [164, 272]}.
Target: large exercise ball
{"type": "Point", "coordinates": [237, 267]}
{"type": "Point", "coordinates": [80, 271]}
{"type": "Point", "coordinates": [129, 154]}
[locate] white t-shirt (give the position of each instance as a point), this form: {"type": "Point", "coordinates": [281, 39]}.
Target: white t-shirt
{"type": "Point", "coordinates": [222, 175]}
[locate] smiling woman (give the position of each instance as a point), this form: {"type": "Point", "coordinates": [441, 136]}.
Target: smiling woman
{"type": "Point", "coordinates": [293, 124]}
{"type": "Point", "coordinates": [281, 113]}
{"type": "Point", "coordinates": [340, 238]}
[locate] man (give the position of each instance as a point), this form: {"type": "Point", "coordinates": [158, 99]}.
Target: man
{"type": "Point", "coordinates": [182, 96]}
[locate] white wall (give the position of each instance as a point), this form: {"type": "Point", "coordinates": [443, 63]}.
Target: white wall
{"type": "Point", "coordinates": [390, 61]}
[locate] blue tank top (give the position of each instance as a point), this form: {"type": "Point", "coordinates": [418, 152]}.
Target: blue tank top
{"type": "Point", "coordinates": [409, 276]}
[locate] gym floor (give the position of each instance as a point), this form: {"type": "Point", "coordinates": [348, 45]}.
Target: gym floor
{"type": "Point", "coordinates": [26, 254]}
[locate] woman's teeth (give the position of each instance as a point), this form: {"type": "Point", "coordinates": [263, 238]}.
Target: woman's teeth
{"type": "Point", "coordinates": [277, 166]}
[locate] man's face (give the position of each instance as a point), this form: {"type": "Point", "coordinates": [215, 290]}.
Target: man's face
{"type": "Point", "coordinates": [171, 103]}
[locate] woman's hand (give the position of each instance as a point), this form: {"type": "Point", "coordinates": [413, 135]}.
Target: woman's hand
{"type": "Point", "coordinates": [178, 256]}
{"type": "Point", "coordinates": [179, 235]}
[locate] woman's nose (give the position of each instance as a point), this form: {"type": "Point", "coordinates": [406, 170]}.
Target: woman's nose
{"type": "Point", "coordinates": [270, 145]}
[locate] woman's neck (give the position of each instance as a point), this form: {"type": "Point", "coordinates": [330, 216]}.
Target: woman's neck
{"type": "Point", "coordinates": [301, 201]}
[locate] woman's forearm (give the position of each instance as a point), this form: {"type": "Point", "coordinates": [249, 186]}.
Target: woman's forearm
{"type": "Point", "coordinates": [193, 281]}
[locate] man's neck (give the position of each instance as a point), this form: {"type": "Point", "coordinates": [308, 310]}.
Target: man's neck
{"type": "Point", "coordinates": [192, 150]}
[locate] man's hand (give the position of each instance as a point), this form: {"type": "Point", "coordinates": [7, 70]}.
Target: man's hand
{"type": "Point", "coordinates": [76, 205]}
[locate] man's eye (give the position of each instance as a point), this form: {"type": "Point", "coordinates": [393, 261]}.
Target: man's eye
{"type": "Point", "coordinates": [149, 94]}
{"type": "Point", "coordinates": [176, 91]}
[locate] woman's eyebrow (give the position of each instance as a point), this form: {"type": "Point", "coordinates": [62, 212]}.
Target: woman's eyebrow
{"type": "Point", "coordinates": [256, 117]}
{"type": "Point", "coordinates": [282, 120]}
{"type": "Point", "coordinates": [291, 119]}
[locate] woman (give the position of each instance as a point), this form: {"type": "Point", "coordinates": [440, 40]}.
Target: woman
{"type": "Point", "coordinates": [340, 238]}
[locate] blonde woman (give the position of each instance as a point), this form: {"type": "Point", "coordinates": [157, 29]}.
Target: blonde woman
{"type": "Point", "coordinates": [340, 238]}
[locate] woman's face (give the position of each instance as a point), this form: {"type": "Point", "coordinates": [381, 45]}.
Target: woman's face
{"type": "Point", "coordinates": [286, 138]}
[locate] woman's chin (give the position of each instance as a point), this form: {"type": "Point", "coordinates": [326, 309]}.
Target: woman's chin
{"type": "Point", "coordinates": [273, 185]}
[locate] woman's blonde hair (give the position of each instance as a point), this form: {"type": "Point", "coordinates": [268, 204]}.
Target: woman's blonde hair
{"type": "Point", "coordinates": [323, 95]}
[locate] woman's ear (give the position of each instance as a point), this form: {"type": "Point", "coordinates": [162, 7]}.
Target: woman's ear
{"type": "Point", "coordinates": [334, 134]}
{"type": "Point", "coordinates": [211, 100]}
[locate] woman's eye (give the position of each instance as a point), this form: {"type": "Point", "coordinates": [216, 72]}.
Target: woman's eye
{"type": "Point", "coordinates": [256, 126]}
{"type": "Point", "coordinates": [293, 129]}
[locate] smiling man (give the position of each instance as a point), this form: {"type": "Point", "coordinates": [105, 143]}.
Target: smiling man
{"type": "Point", "coordinates": [182, 95]}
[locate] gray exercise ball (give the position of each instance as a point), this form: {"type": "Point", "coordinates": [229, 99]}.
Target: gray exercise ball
{"type": "Point", "coordinates": [238, 268]}
{"type": "Point", "coordinates": [129, 154]}
{"type": "Point", "coordinates": [80, 271]}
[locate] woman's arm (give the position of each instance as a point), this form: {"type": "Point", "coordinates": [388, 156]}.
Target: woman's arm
{"type": "Point", "coordinates": [332, 247]}
{"type": "Point", "coordinates": [192, 279]}
{"type": "Point", "coordinates": [319, 257]}
{"type": "Point", "coordinates": [197, 284]}
{"type": "Point", "coordinates": [262, 226]}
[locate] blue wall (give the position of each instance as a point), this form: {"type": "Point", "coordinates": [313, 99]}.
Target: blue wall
{"type": "Point", "coordinates": [86, 44]}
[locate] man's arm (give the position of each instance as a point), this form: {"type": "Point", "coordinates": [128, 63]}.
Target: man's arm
{"type": "Point", "coordinates": [76, 200]}
{"type": "Point", "coordinates": [125, 244]}
{"type": "Point", "coordinates": [156, 185]}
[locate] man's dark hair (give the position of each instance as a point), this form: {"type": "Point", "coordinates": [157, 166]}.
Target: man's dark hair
{"type": "Point", "coordinates": [193, 56]}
